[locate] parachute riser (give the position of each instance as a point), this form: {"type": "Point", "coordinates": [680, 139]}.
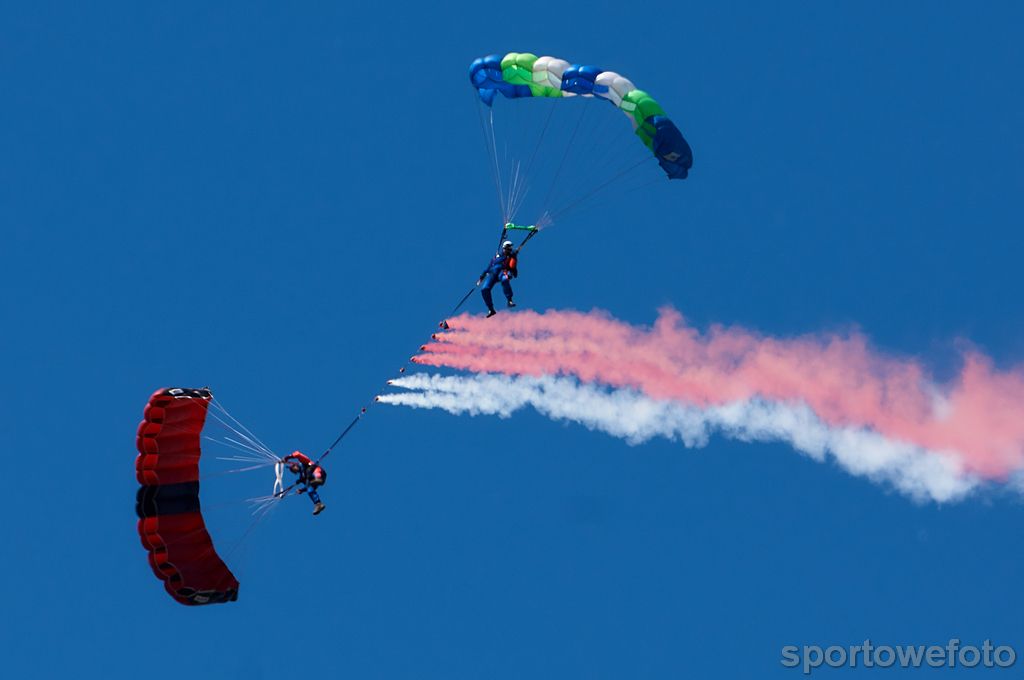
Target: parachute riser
{"type": "Point", "coordinates": [526, 240]}
{"type": "Point", "coordinates": [509, 226]}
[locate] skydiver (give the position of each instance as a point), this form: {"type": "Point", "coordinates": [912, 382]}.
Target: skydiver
{"type": "Point", "coordinates": [503, 267]}
{"type": "Point", "coordinates": [310, 476]}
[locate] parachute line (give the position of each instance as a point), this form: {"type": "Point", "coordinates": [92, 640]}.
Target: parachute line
{"type": "Point", "coordinates": [621, 173]}
{"type": "Point", "coordinates": [249, 443]}
{"type": "Point", "coordinates": [497, 169]}
{"type": "Point", "coordinates": [248, 435]}
{"type": "Point", "coordinates": [488, 143]}
{"type": "Point", "coordinates": [568, 147]}
{"type": "Point", "coordinates": [221, 473]}
{"type": "Point", "coordinates": [239, 446]}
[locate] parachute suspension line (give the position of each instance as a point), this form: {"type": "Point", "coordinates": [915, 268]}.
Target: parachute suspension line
{"type": "Point", "coordinates": [648, 183]}
{"type": "Point", "coordinates": [563, 210]}
{"type": "Point", "coordinates": [600, 146]}
{"type": "Point", "coordinates": [513, 189]}
{"type": "Point", "coordinates": [506, 161]}
{"type": "Point", "coordinates": [246, 446]}
{"type": "Point", "coordinates": [263, 504]}
{"type": "Point", "coordinates": [522, 189]}
{"type": "Point", "coordinates": [540, 139]}
{"type": "Point", "coordinates": [231, 442]}
{"type": "Point", "coordinates": [250, 452]}
{"type": "Point", "coordinates": [568, 147]}
{"type": "Point", "coordinates": [247, 443]}
{"type": "Point", "coordinates": [264, 510]}
{"type": "Point", "coordinates": [497, 169]}
{"type": "Point", "coordinates": [519, 199]}
{"type": "Point", "coordinates": [598, 140]}
{"type": "Point", "coordinates": [243, 432]}
{"type": "Point", "coordinates": [614, 179]}
{"type": "Point", "coordinates": [284, 492]}
{"type": "Point", "coordinates": [518, 193]}
{"type": "Point", "coordinates": [247, 454]}
{"type": "Point", "coordinates": [221, 473]}
{"type": "Point", "coordinates": [245, 459]}
{"type": "Point", "coordinates": [491, 151]}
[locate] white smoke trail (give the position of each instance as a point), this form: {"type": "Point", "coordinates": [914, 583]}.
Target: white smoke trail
{"type": "Point", "coordinates": [920, 473]}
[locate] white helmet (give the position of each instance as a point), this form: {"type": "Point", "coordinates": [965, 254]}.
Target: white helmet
{"type": "Point", "coordinates": [506, 244]}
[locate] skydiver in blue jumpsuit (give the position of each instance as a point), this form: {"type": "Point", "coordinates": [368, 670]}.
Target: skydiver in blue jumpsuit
{"type": "Point", "coordinates": [503, 267]}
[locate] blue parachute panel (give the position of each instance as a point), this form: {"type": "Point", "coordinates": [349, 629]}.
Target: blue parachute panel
{"type": "Point", "coordinates": [485, 74]}
{"type": "Point", "coordinates": [580, 79]}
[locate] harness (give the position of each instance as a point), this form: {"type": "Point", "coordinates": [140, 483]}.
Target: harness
{"type": "Point", "coordinates": [307, 475]}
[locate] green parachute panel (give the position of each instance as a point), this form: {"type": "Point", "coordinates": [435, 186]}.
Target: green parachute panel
{"type": "Point", "coordinates": [517, 68]}
{"type": "Point", "coordinates": [642, 106]}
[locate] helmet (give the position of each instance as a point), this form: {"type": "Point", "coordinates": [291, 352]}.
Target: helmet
{"type": "Point", "coordinates": [506, 244]}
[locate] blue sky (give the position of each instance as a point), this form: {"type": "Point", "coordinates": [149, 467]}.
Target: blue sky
{"type": "Point", "coordinates": [280, 202]}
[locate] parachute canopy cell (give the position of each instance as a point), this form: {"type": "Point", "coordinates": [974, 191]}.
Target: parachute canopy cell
{"type": "Point", "coordinates": [521, 74]}
{"type": "Point", "coordinates": [171, 525]}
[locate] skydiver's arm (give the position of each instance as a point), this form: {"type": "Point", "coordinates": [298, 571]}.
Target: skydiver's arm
{"type": "Point", "coordinates": [299, 456]}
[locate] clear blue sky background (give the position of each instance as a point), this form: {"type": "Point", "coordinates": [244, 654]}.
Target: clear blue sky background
{"type": "Point", "coordinates": [279, 200]}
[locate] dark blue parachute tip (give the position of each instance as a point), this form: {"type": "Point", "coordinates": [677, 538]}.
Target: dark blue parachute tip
{"type": "Point", "coordinates": [491, 62]}
{"type": "Point", "coordinates": [487, 96]}
{"type": "Point", "coordinates": [486, 76]}
{"type": "Point", "coordinates": [673, 170]}
{"type": "Point", "coordinates": [673, 152]}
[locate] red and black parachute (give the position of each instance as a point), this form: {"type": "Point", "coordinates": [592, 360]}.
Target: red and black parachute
{"type": "Point", "coordinates": [171, 525]}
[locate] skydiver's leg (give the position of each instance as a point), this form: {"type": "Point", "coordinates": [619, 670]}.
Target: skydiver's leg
{"type": "Point", "coordinates": [314, 496]}
{"type": "Point", "coordinates": [506, 287]}
{"type": "Point", "coordinates": [485, 291]}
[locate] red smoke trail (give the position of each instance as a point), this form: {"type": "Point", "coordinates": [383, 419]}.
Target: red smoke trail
{"type": "Point", "coordinates": [978, 417]}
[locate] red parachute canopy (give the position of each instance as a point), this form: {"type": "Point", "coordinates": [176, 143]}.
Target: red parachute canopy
{"type": "Point", "coordinates": [171, 525]}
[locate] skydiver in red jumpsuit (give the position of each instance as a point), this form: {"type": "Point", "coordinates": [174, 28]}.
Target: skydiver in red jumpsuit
{"type": "Point", "coordinates": [311, 476]}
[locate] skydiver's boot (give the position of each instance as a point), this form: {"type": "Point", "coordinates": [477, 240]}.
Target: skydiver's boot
{"type": "Point", "coordinates": [510, 303]}
{"type": "Point", "coordinates": [491, 312]}
{"type": "Point", "coordinates": [318, 508]}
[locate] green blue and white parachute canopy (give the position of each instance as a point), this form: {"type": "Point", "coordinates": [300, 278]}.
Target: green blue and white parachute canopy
{"type": "Point", "coordinates": [521, 74]}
